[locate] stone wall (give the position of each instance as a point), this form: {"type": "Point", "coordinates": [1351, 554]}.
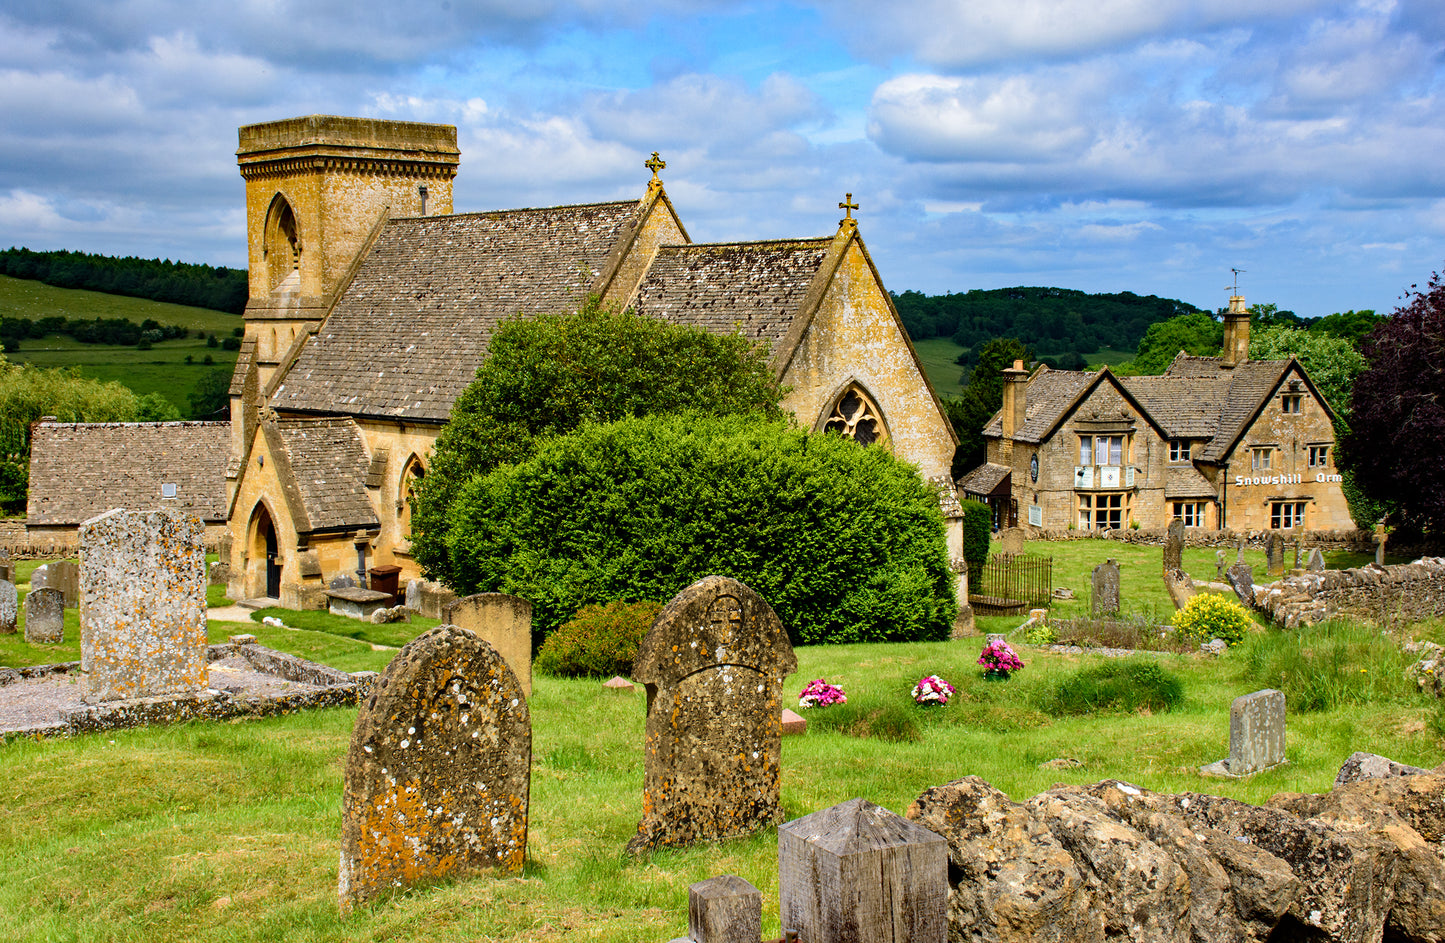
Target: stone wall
{"type": "Point", "coordinates": [1359, 540]}
{"type": "Point", "coordinates": [1384, 594]}
{"type": "Point", "coordinates": [53, 545]}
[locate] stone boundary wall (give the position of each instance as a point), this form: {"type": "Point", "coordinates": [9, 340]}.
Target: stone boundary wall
{"type": "Point", "coordinates": [1386, 595]}
{"type": "Point", "coordinates": [22, 546]}
{"type": "Point", "coordinates": [1359, 540]}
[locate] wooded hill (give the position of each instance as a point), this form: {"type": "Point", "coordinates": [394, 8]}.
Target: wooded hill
{"type": "Point", "coordinates": [182, 283]}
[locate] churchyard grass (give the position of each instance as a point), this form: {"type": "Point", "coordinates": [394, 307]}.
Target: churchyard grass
{"type": "Point", "coordinates": [229, 831]}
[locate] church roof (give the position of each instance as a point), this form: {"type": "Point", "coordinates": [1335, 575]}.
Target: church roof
{"type": "Point", "coordinates": [407, 334]}
{"type": "Point", "coordinates": [322, 465]}
{"type": "Point", "coordinates": [752, 288]}
{"type": "Point", "coordinates": [82, 469]}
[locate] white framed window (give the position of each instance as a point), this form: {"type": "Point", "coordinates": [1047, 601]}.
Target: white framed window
{"type": "Point", "coordinates": [1190, 512]}
{"type": "Point", "coordinates": [1101, 450]}
{"type": "Point", "coordinates": [1290, 402]}
{"type": "Point", "coordinates": [1101, 511]}
{"type": "Point", "coordinates": [1319, 456]}
{"type": "Point", "coordinates": [1178, 450]}
{"type": "Point", "coordinates": [1286, 515]}
{"type": "Point", "coordinates": [1262, 458]}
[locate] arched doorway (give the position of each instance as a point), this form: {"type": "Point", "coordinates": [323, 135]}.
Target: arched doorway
{"type": "Point", "coordinates": [266, 547]}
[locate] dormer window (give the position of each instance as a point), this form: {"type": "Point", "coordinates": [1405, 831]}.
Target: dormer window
{"type": "Point", "coordinates": [1178, 450]}
{"type": "Point", "coordinates": [1290, 402]}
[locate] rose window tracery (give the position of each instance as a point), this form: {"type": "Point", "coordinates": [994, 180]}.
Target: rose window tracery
{"type": "Point", "coordinates": [857, 417]}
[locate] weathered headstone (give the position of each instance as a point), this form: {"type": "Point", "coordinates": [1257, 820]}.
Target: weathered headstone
{"type": "Point", "coordinates": [1299, 545]}
{"type": "Point", "coordinates": [1274, 554]}
{"type": "Point", "coordinates": [1174, 546]}
{"type": "Point", "coordinates": [7, 565]}
{"type": "Point", "coordinates": [65, 576]}
{"type": "Point", "coordinates": [725, 909]}
{"type": "Point", "coordinates": [1316, 561]}
{"type": "Point", "coordinates": [713, 663]}
{"type": "Point", "coordinates": [142, 605]}
{"type": "Point", "coordinates": [1239, 551]}
{"type": "Point", "coordinates": [1256, 735]}
{"type": "Point", "coordinates": [45, 616]}
{"type": "Point", "coordinates": [40, 577]}
{"type": "Point", "coordinates": [1011, 540]}
{"type": "Point", "coordinates": [9, 608]}
{"type": "Point", "coordinates": [1105, 589]}
{"type": "Point", "coordinates": [413, 595]}
{"type": "Point", "coordinates": [1219, 560]}
{"type": "Point", "coordinates": [438, 774]}
{"type": "Point", "coordinates": [1241, 577]}
{"type": "Point", "coordinates": [964, 625]}
{"type": "Point", "coordinates": [505, 622]}
{"type": "Point", "coordinates": [857, 873]}
{"type": "Point", "coordinates": [1180, 587]}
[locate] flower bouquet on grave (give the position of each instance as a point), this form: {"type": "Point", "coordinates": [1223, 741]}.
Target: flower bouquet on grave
{"type": "Point", "coordinates": [820, 693]}
{"type": "Point", "coordinates": [932, 690]}
{"type": "Point", "coordinates": [998, 659]}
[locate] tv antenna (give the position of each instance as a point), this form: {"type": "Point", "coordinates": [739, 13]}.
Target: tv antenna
{"type": "Point", "coordinates": [1236, 271]}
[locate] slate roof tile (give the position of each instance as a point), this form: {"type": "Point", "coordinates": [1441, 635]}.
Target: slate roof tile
{"type": "Point", "coordinates": [329, 465]}
{"type": "Point", "coordinates": [984, 479]}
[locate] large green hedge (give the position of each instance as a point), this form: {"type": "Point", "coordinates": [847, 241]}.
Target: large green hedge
{"type": "Point", "coordinates": [977, 527]}
{"type": "Point", "coordinates": [844, 541]}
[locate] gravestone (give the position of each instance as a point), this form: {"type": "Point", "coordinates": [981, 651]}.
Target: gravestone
{"type": "Point", "coordinates": [857, 873]}
{"type": "Point", "coordinates": [506, 624]}
{"type": "Point", "coordinates": [1180, 587]}
{"type": "Point", "coordinates": [1219, 559]}
{"type": "Point", "coordinates": [964, 625]}
{"type": "Point", "coordinates": [1241, 577]}
{"type": "Point", "coordinates": [1105, 589]}
{"type": "Point", "coordinates": [1316, 561]}
{"type": "Point", "coordinates": [713, 664]}
{"type": "Point", "coordinates": [1239, 551]}
{"type": "Point", "coordinates": [438, 773]}
{"type": "Point", "coordinates": [1274, 554]}
{"type": "Point", "coordinates": [1256, 735]}
{"type": "Point", "coordinates": [1011, 540]}
{"type": "Point", "coordinates": [65, 576]}
{"type": "Point", "coordinates": [45, 616]}
{"type": "Point", "coordinates": [1174, 546]}
{"type": "Point", "coordinates": [724, 909]}
{"type": "Point", "coordinates": [40, 577]}
{"type": "Point", "coordinates": [9, 608]}
{"type": "Point", "coordinates": [413, 595]}
{"type": "Point", "coordinates": [7, 565]}
{"type": "Point", "coordinates": [142, 605]}
{"type": "Point", "coordinates": [1299, 545]}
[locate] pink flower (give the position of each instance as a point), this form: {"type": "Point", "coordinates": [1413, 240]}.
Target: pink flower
{"type": "Point", "coordinates": [820, 693]}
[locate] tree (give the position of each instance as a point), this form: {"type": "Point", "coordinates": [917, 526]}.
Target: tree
{"type": "Point", "coordinates": [981, 398]}
{"type": "Point", "coordinates": [546, 375]}
{"type": "Point", "coordinates": [211, 396]}
{"type": "Point", "coordinates": [153, 407]}
{"type": "Point", "coordinates": [845, 541]}
{"type": "Point", "coordinates": [1332, 362]}
{"type": "Point", "coordinates": [1195, 333]}
{"type": "Point", "coordinates": [1397, 426]}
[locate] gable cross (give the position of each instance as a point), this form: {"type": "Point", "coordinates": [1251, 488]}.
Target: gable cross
{"type": "Point", "coordinates": [848, 206]}
{"type": "Point", "coordinates": [654, 164]}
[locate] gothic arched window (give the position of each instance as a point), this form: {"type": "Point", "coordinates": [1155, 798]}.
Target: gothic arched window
{"type": "Point", "coordinates": [856, 416]}
{"type": "Point", "coordinates": [282, 246]}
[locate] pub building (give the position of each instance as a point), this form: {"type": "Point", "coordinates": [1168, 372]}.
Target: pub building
{"type": "Point", "coordinates": [1219, 442]}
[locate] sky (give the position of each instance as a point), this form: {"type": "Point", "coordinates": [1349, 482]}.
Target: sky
{"type": "Point", "coordinates": [1102, 145]}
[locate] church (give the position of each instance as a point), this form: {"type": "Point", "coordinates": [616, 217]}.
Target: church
{"type": "Point", "coordinates": [372, 303]}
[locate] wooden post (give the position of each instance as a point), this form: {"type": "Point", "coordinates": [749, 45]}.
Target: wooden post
{"type": "Point", "coordinates": [857, 873]}
{"type": "Point", "coordinates": [724, 909]}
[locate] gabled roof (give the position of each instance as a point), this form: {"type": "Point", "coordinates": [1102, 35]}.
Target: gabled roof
{"type": "Point", "coordinates": [1050, 395]}
{"type": "Point", "coordinates": [407, 334]}
{"type": "Point", "coordinates": [322, 466]}
{"type": "Point", "coordinates": [81, 469]}
{"type": "Point", "coordinates": [985, 479]}
{"type": "Point", "coordinates": [1250, 385]}
{"type": "Point", "coordinates": [756, 289]}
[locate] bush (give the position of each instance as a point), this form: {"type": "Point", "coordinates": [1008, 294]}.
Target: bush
{"type": "Point", "coordinates": [1336, 663]}
{"type": "Point", "coordinates": [844, 541]}
{"type": "Point", "coordinates": [1127, 686]}
{"type": "Point", "coordinates": [599, 641]}
{"type": "Point", "coordinates": [977, 525]}
{"type": "Point", "coordinates": [1209, 616]}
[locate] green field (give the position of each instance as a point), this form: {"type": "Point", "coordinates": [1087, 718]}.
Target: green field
{"type": "Point", "coordinates": [162, 369]}
{"type": "Point", "coordinates": [230, 831]}
{"type": "Point", "coordinates": [1111, 357]}
{"type": "Point", "coordinates": [938, 355]}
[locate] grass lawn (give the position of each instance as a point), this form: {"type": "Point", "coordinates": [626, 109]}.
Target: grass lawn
{"type": "Point", "coordinates": [230, 831]}
{"type": "Point", "coordinates": [33, 300]}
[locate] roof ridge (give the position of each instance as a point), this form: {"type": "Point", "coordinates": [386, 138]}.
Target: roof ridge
{"type": "Point", "coordinates": [809, 240]}
{"type": "Point", "coordinates": [117, 424]}
{"type": "Point", "coordinates": [514, 210]}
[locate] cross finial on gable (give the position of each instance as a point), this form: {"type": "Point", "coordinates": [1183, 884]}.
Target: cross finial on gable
{"type": "Point", "coordinates": [847, 206]}
{"type": "Point", "coordinates": [654, 164]}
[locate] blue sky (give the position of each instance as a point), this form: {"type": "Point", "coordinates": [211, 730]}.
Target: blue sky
{"type": "Point", "coordinates": [1104, 145]}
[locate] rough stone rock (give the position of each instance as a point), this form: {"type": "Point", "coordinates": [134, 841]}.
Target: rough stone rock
{"type": "Point", "coordinates": [394, 614]}
{"type": "Point", "coordinates": [1139, 890]}
{"type": "Point", "coordinates": [438, 774]}
{"type": "Point", "coordinates": [1215, 646]}
{"type": "Point", "coordinates": [1373, 766]}
{"type": "Point", "coordinates": [1011, 879]}
{"type": "Point", "coordinates": [713, 662]}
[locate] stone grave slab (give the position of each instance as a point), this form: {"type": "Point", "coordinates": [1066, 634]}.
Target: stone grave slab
{"type": "Point", "coordinates": [1105, 589]}
{"type": "Point", "coordinates": [355, 602]}
{"type": "Point", "coordinates": [438, 774]}
{"type": "Point", "coordinates": [1219, 560]}
{"type": "Point", "coordinates": [793, 723]}
{"type": "Point", "coordinates": [9, 608]}
{"type": "Point", "coordinates": [45, 616]}
{"type": "Point", "coordinates": [142, 605]}
{"type": "Point", "coordinates": [713, 664]}
{"type": "Point", "coordinates": [619, 684]}
{"type": "Point", "coordinates": [40, 577]}
{"type": "Point", "coordinates": [1174, 546]}
{"type": "Point", "coordinates": [505, 622]}
{"type": "Point", "coordinates": [1241, 577]}
{"type": "Point", "coordinates": [1316, 562]}
{"type": "Point", "coordinates": [65, 576]}
{"type": "Point", "coordinates": [1180, 587]}
{"type": "Point", "coordinates": [1274, 554]}
{"type": "Point", "coordinates": [1256, 735]}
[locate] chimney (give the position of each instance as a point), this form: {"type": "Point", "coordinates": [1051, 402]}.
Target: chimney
{"type": "Point", "coordinates": [1236, 332]}
{"type": "Point", "coordinates": [1015, 400]}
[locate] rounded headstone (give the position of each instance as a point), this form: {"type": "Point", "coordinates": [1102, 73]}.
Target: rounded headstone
{"type": "Point", "coordinates": [45, 617]}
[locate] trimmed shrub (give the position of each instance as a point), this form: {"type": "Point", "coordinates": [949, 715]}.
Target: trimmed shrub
{"type": "Point", "coordinates": [1209, 616]}
{"type": "Point", "coordinates": [844, 541]}
{"type": "Point", "coordinates": [1126, 686]}
{"type": "Point", "coordinates": [977, 525]}
{"type": "Point", "coordinates": [599, 641]}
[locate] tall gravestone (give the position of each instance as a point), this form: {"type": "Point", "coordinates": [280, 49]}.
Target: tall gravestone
{"type": "Point", "coordinates": [142, 605]}
{"type": "Point", "coordinates": [7, 565]}
{"type": "Point", "coordinates": [1105, 587]}
{"type": "Point", "coordinates": [9, 608]}
{"type": "Point", "coordinates": [506, 624]}
{"type": "Point", "coordinates": [45, 616]}
{"type": "Point", "coordinates": [1174, 546]}
{"type": "Point", "coordinates": [1380, 537]}
{"type": "Point", "coordinates": [713, 663]}
{"type": "Point", "coordinates": [439, 772]}
{"type": "Point", "coordinates": [1219, 560]}
{"type": "Point", "coordinates": [40, 577]}
{"type": "Point", "coordinates": [65, 576]}
{"type": "Point", "coordinates": [1179, 586]}
{"type": "Point", "coordinates": [1256, 735]}
{"type": "Point", "coordinates": [1274, 552]}
{"type": "Point", "coordinates": [1239, 551]}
